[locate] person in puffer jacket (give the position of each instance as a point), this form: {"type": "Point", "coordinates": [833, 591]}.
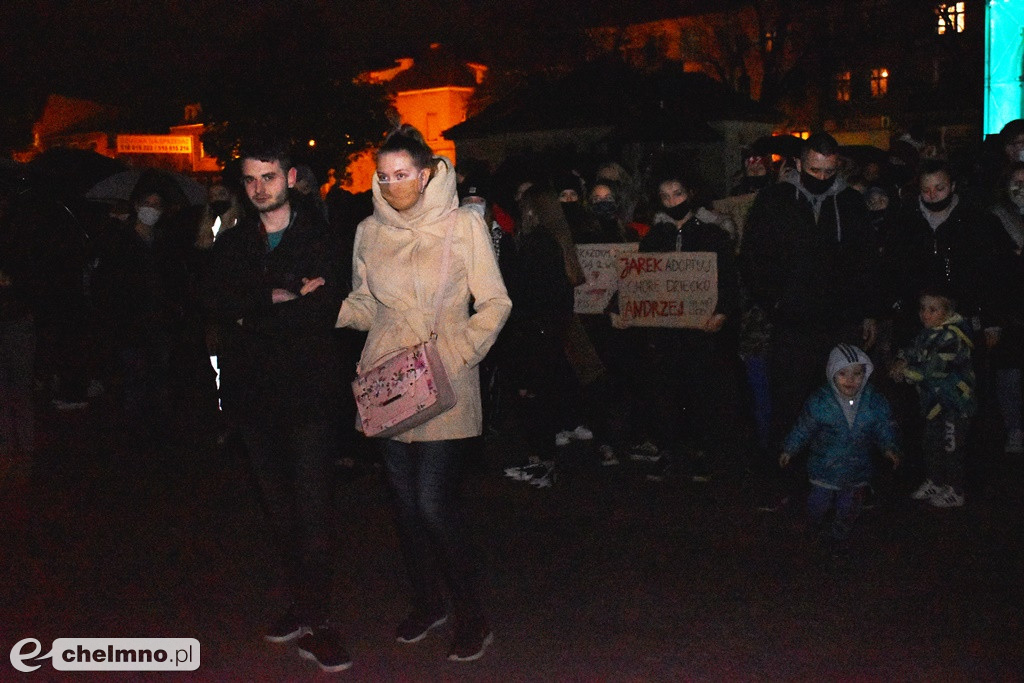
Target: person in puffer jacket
{"type": "Point", "coordinates": [938, 363]}
{"type": "Point", "coordinates": [841, 426]}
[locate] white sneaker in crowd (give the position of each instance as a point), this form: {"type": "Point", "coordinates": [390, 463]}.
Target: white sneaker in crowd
{"type": "Point", "coordinates": [947, 498]}
{"type": "Point", "coordinates": [581, 433]}
{"type": "Point", "coordinates": [645, 452]}
{"type": "Point", "coordinates": [926, 490]}
{"type": "Point", "coordinates": [526, 472]}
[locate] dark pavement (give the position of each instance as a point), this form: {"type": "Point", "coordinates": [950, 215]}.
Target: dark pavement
{"type": "Point", "coordinates": [605, 576]}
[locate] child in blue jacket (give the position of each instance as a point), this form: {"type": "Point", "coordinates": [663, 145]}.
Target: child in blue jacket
{"type": "Point", "coordinates": [841, 426]}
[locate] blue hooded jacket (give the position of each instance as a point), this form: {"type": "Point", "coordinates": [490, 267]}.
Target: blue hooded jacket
{"type": "Point", "coordinates": [842, 433]}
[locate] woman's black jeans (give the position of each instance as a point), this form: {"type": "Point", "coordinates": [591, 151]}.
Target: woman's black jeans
{"type": "Point", "coordinates": [424, 479]}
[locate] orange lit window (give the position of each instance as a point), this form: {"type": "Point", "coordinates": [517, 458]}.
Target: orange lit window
{"type": "Point", "coordinates": [951, 18]}
{"type": "Point", "coordinates": [879, 82]}
{"type": "Point", "coordinates": [843, 86]}
{"type": "Point", "coordinates": [769, 40]}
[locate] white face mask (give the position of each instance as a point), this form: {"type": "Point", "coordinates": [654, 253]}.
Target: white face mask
{"type": "Point", "coordinates": [477, 207]}
{"type": "Point", "coordinates": [149, 215]}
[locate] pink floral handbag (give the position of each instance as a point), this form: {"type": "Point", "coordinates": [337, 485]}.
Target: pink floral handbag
{"type": "Point", "coordinates": [412, 386]}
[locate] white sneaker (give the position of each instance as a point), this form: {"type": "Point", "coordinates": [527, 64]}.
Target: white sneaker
{"type": "Point", "coordinates": [545, 480]}
{"type": "Point", "coordinates": [1014, 442]}
{"type": "Point", "coordinates": [926, 490]}
{"type": "Point", "coordinates": [581, 433]}
{"type": "Point", "coordinates": [526, 472]}
{"type": "Point", "coordinates": [947, 498]}
{"type": "Point", "coordinates": [563, 438]}
{"type": "Point", "coordinates": [645, 452]}
{"type": "Point", "coordinates": [608, 455]}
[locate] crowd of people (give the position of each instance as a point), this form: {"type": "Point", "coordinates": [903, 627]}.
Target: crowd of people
{"type": "Point", "coordinates": [866, 310]}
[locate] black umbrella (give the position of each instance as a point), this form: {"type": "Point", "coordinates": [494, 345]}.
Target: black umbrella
{"type": "Point", "coordinates": [122, 185]}
{"type": "Point", "coordinates": [71, 171]}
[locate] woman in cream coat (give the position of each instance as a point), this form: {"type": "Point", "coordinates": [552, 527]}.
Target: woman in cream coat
{"type": "Point", "coordinates": [396, 272]}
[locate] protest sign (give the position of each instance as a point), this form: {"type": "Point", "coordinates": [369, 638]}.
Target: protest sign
{"type": "Point", "coordinates": [670, 289]}
{"type": "Point", "coordinates": [600, 263]}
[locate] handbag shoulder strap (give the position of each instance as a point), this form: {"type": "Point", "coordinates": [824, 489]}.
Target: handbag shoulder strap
{"type": "Point", "coordinates": [446, 263]}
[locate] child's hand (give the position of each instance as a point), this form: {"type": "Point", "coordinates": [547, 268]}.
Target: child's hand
{"type": "Point", "coordinates": [894, 458]}
{"type": "Point", "coordinates": [784, 459]}
{"type": "Point", "coordinates": [896, 371]}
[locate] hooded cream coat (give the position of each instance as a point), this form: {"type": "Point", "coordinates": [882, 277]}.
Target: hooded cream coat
{"type": "Point", "coordinates": [396, 266]}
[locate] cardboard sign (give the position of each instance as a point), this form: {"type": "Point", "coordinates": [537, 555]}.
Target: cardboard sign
{"type": "Point", "coordinates": [737, 209]}
{"type": "Point", "coordinates": [600, 263]}
{"type": "Point", "coordinates": [671, 289]}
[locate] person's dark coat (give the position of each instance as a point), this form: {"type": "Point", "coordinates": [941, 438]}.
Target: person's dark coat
{"type": "Point", "coordinates": [537, 283]}
{"type": "Point", "coordinates": [279, 362]}
{"type": "Point", "coordinates": [141, 287]}
{"type": "Point", "coordinates": [696, 235]}
{"type": "Point", "coordinates": [814, 274]}
{"type": "Point", "coordinates": [960, 257]}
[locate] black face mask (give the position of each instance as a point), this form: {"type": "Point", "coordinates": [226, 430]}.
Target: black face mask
{"type": "Point", "coordinates": [219, 207]}
{"type": "Point", "coordinates": [679, 211]}
{"type": "Point", "coordinates": [604, 209]}
{"type": "Point", "coordinates": [815, 185]}
{"type": "Point", "coordinates": [940, 205]}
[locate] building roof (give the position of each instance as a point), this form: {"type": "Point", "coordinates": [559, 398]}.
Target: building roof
{"type": "Point", "coordinates": [67, 115]}
{"type": "Point", "coordinates": [608, 92]}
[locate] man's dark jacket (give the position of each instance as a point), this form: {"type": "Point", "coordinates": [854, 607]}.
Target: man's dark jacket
{"type": "Point", "coordinates": [279, 362]}
{"type": "Point", "coordinates": [811, 274]}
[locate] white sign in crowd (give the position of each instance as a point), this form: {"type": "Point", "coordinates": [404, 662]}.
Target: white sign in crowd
{"type": "Point", "coordinates": [671, 289]}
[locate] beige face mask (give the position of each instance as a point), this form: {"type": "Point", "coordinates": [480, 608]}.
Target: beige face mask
{"type": "Point", "coordinates": [401, 195]}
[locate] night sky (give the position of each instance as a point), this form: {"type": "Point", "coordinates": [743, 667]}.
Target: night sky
{"type": "Point", "coordinates": [155, 56]}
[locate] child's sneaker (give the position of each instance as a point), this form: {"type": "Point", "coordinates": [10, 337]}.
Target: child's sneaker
{"type": "Point", "coordinates": [947, 497]}
{"type": "Point", "coordinates": [926, 490]}
{"type": "Point", "coordinates": [563, 438]}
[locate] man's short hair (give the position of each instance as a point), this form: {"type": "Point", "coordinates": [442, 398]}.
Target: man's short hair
{"type": "Point", "coordinates": [267, 148]}
{"type": "Point", "coordinates": [822, 143]}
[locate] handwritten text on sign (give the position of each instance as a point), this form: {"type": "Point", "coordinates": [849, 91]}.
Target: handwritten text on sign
{"type": "Point", "coordinates": [672, 289]}
{"type": "Point", "coordinates": [600, 264]}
